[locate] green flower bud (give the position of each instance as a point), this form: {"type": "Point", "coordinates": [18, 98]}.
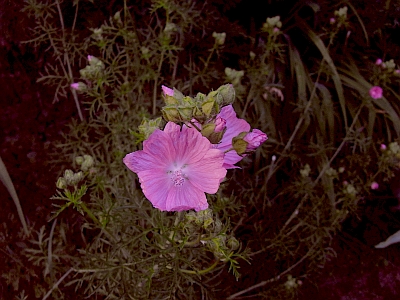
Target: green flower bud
{"type": "Point", "coordinates": [305, 172]}
{"type": "Point", "coordinates": [208, 129]}
{"type": "Point", "coordinates": [61, 183]}
{"type": "Point", "coordinates": [239, 144]}
{"type": "Point", "coordinates": [171, 114]}
{"type": "Point", "coordinates": [227, 94]}
{"type": "Point", "coordinates": [219, 38]}
{"type": "Point", "coordinates": [233, 243]}
{"type": "Point", "coordinates": [79, 160]}
{"type": "Point", "coordinates": [88, 162]}
{"type": "Point", "coordinates": [77, 177]}
{"type": "Point", "coordinates": [147, 127]}
{"type": "Point", "coordinates": [68, 176]}
{"type": "Point", "coordinates": [186, 113]}
{"type": "Point", "coordinates": [208, 105]}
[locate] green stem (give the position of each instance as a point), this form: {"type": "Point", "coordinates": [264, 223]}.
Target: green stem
{"type": "Point", "coordinates": [201, 272]}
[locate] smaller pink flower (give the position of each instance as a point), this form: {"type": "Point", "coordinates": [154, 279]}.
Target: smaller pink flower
{"type": "Point", "coordinates": [255, 139]}
{"type": "Point", "coordinates": [275, 30]}
{"type": "Point", "coordinates": [383, 147]}
{"type": "Point", "coordinates": [167, 91]}
{"type": "Point", "coordinates": [220, 124]}
{"type": "Point", "coordinates": [332, 20]}
{"type": "Point", "coordinates": [397, 72]}
{"type": "Point", "coordinates": [374, 185]}
{"type": "Point", "coordinates": [75, 86]}
{"type": "Point", "coordinates": [378, 62]}
{"type": "Point", "coordinates": [90, 57]}
{"type": "Point", "coordinates": [376, 92]}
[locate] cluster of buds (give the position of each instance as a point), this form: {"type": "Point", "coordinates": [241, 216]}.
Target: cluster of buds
{"type": "Point", "coordinates": [272, 25]}
{"type": "Point", "coordinates": [180, 108]}
{"type": "Point", "coordinates": [219, 38]}
{"type": "Point", "coordinates": [234, 76]}
{"type": "Point", "coordinates": [216, 238]}
{"type": "Point", "coordinates": [387, 68]}
{"type": "Point", "coordinates": [86, 162]}
{"type": "Point", "coordinates": [91, 72]}
{"type": "Point", "coordinates": [204, 113]}
{"type": "Point", "coordinates": [69, 179]}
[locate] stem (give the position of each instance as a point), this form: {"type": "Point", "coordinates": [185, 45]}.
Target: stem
{"type": "Point", "coordinates": [156, 82]}
{"type": "Point", "coordinates": [66, 57]}
{"type": "Point", "coordinates": [201, 272]}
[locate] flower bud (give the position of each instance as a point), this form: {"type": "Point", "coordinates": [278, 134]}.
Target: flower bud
{"type": "Point", "coordinates": [255, 139]}
{"type": "Point", "coordinates": [220, 124]}
{"type": "Point", "coordinates": [376, 92]}
{"type": "Point", "coordinates": [208, 105]}
{"type": "Point", "coordinates": [374, 185]}
{"type": "Point", "coordinates": [147, 127]}
{"type": "Point", "coordinates": [171, 114]}
{"type": "Point", "coordinates": [227, 93]}
{"type": "Point", "coordinates": [219, 38]}
{"type": "Point", "coordinates": [79, 160]}
{"type": "Point", "coordinates": [68, 176]}
{"type": "Point", "coordinates": [79, 86]}
{"type": "Point", "coordinates": [87, 163]}
{"type": "Point", "coordinates": [239, 144]}
{"type": "Point", "coordinates": [61, 183]}
{"type": "Point", "coordinates": [233, 243]}
{"type": "Point", "coordinates": [167, 91]}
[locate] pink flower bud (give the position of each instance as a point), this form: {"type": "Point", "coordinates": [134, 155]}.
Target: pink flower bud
{"type": "Point", "coordinates": [397, 72]}
{"type": "Point", "coordinates": [383, 147]}
{"type": "Point", "coordinates": [89, 57]}
{"type": "Point", "coordinates": [374, 185]}
{"type": "Point", "coordinates": [75, 86]}
{"type": "Point", "coordinates": [255, 139]}
{"type": "Point", "coordinates": [220, 124]}
{"type": "Point", "coordinates": [332, 20]}
{"type": "Point", "coordinates": [376, 92]}
{"type": "Point", "coordinates": [275, 30]}
{"type": "Point", "coordinates": [167, 91]}
{"type": "Point", "coordinates": [378, 62]}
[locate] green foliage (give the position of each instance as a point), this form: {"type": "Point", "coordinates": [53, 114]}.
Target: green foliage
{"type": "Point", "coordinates": [287, 202]}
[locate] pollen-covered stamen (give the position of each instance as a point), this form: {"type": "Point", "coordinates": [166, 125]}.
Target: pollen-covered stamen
{"type": "Point", "coordinates": [177, 178]}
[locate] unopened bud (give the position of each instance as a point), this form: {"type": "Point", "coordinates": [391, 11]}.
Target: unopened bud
{"type": "Point", "coordinates": [255, 139]}
{"type": "Point", "coordinates": [61, 183]}
{"type": "Point", "coordinates": [220, 124]}
{"type": "Point", "coordinates": [87, 163]}
{"type": "Point", "coordinates": [233, 243]}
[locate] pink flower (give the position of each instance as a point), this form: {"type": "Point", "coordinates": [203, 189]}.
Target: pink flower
{"type": "Point", "coordinates": [378, 62]}
{"type": "Point", "coordinates": [376, 92]}
{"type": "Point", "coordinates": [176, 167]}
{"type": "Point", "coordinates": [167, 91]}
{"type": "Point", "coordinates": [75, 86]}
{"type": "Point", "coordinates": [374, 185]}
{"type": "Point", "coordinates": [234, 126]}
{"type": "Point", "coordinates": [90, 57]}
{"type": "Point", "coordinates": [383, 147]}
{"type": "Point", "coordinates": [255, 139]}
{"type": "Point", "coordinates": [332, 20]}
{"type": "Point", "coordinates": [220, 124]}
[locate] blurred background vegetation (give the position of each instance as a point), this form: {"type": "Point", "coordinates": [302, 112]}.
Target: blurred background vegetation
{"type": "Point", "coordinates": [303, 78]}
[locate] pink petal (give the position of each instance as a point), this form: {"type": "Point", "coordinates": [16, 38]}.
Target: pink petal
{"type": "Point", "coordinates": [155, 186]}
{"type": "Point", "coordinates": [208, 172]}
{"type": "Point", "coordinates": [167, 91]}
{"type": "Point", "coordinates": [234, 126]}
{"type": "Point", "coordinates": [185, 198]}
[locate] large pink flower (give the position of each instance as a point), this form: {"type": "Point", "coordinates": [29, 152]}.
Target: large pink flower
{"type": "Point", "coordinates": [176, 167]}
{"type": "Point", "coordinates": [234, 126]}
